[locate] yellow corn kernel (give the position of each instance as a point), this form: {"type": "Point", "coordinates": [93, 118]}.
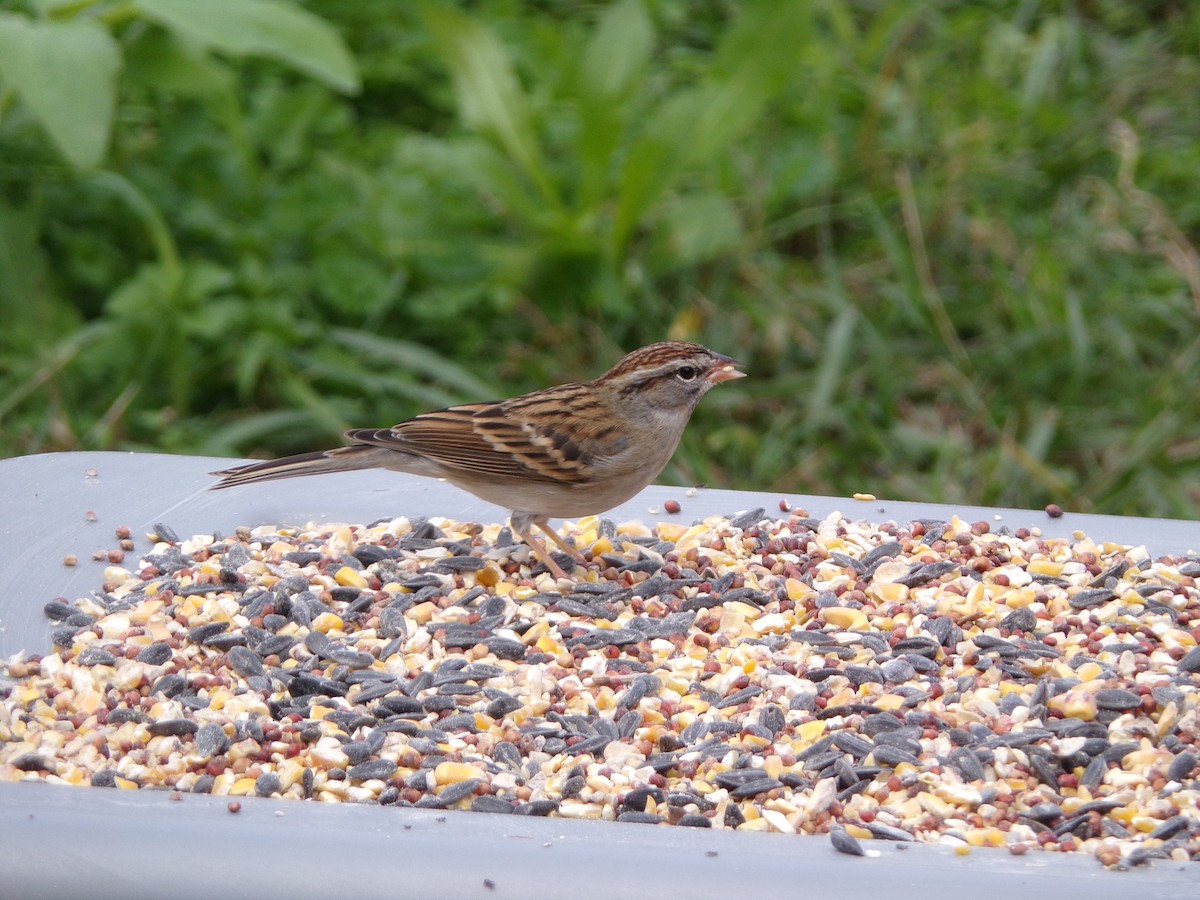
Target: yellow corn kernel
{"type": "Point", "coordinates": [489, 576]}
{"type": "Point", "coordinates": [290, 772]}
{"type": "Point", "coordinates": [890, 592]}
{"type": "Point", "coordinates": [808, 732]}
{"type": "Point", "coordinates": [985, 837]}
{"type": "Point", "coordinates": [1044, 567]}
{"type": "Point", "coordinates": [935, 806]}
{"type": "Point", "coordinates": [652, 717]}
{"type": "Point", "coordinates": [693, 537]}
{"type": "Point", "coordinates": [796, 589]}
{"type": "Point", "coordinates": [1075, 704]}
{"type": "Point", "coordinates": [671, 531]}
{"type": "Point", "coordinates": [454, 772]}
{"type": "Point", "coordinates": [846, 618]}
{"type": "Point", "coordinates": [1144, 824]}
{"type": "Point", "coordinates": [28, 695]}
{"type": "Point", "coordinates": [327, 622]}
{"type": "Point", "coordinates": [754, 742]}
{"type": "Point", "coordinates": [1125, 814]}
{"type": "Point", "coordinates": [422, 612]}
{"type": "Point", "coordinates": [275, 552]}
{"type": "Point", "coordinates": [243, 787]}
{"type": "Point", "coordinates": [141, 614]}
{"type": "Point", "coordinates": [601, 546]}
{"type": "Point", "coordinates": [844, 696]}
{"type": "Point", "coordinates": [1017, 598]}
{"type": "Point", "coordinates": [348, 577]}
{"type": "Point", "coordinates": [697, 705]}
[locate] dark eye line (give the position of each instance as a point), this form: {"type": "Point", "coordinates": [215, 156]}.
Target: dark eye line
{"type": "Point", "coordinates": [687, 373]}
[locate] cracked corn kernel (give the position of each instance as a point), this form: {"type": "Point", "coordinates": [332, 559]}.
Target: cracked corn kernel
{"type": "Point", "coordinates": [348, 577]}
{"type": "Point", "coordinates": [844, 617]}
{"type": "Point", "coordinates": [452, 772]}
{"type": "Point", "coordinates": [327, 622]}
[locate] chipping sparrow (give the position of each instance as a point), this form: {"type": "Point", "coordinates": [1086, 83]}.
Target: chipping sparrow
{"type": "Point", "coordinates": [567, 451]}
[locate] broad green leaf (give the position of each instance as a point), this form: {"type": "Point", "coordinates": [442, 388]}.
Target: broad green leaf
{"type": "Point", "coordinates": [31, 306]}
{"type": "Point", "coordinates": [50, 7]}
{"type": "Point", "coordinates": [158, 59]}
{"type": "Point", "coordinates": [146, 294]}
{"type": "Point", "coordinates": [53, 359]}
{"type": "Point", "coordinates": [22, 266]}
{"type": "Point", "coordinates": [412, 358]}
{"type": "Point", "coordinates": [618, 51]}
{"type": "Point", "coordinates": [66, 73]}
{"type": "Point", "coordinates": [490, 98]}
{"type": "Point", "coordinates": [395, 393]}
{"type": "Point", "coordinates": [227, 439]}
{"type": "Point", "coordinates": [654, 160]}
{"type": "Point", "coordinates": [152, 219]}
{"type": "Point", "coordinates": [698, 228]}
{"type": "Point", "coordinates": [324, 412]}
{"type": "Point", "coordinates": [270, 28]}
{"type": "Point", "coordinates": [693, 126]}
{"type": "Point", "coordinates": [836, 351]}
{"type": "Point", "coordinates": [614, 60]}
{"type": "Point", "coordinates": [755, 58]}
{"type": "Point", "coordinates": [253, 357]}
{"type": "Point", "coordinates": [355, 285]}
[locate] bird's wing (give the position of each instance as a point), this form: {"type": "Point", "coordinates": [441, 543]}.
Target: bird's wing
{"type": "Point", "coordinates": [503, 440]}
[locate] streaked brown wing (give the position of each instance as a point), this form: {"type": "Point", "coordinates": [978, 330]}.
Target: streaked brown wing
{"type": "Point", "coordinates": [503, 440]}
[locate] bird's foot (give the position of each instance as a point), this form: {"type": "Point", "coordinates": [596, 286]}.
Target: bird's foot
{"type": "Point", "coordinates": [541, 552]}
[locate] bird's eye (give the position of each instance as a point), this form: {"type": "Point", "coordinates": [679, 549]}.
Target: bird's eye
{"type": "Point", "coordinates": [688, 373]}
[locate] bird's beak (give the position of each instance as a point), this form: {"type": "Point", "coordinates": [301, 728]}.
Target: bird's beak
{"type": "Point", "coordinates": [725, 370]}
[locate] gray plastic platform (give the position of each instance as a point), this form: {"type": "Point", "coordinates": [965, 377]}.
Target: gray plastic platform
{"type": "Point", "coordinates": [65, 842]}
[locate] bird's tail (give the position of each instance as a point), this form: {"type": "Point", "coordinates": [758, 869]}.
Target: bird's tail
{"type": "Point", "coordinates": [343, 459]}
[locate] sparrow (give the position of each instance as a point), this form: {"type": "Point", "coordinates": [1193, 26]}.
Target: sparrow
{"type": "Point", "coordinates": [573, 450]}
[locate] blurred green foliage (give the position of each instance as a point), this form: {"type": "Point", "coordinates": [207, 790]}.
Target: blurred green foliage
{"type": "Point", "coordinates": [955, 243]}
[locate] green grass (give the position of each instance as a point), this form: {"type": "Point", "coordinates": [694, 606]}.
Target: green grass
{"type": "Point", "coordinates": [955, 243]}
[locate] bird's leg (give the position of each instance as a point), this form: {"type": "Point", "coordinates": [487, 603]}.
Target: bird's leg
{"type": "Point", "coordinates": [538, 547]}
{"type": "Point", "coordinates": [544, 525]}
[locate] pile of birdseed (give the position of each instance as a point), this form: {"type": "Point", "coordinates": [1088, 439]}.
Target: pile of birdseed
{"type": "Point", "coordinates": [918, 681]}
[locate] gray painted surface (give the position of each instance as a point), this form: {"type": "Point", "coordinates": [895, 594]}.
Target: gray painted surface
{"type": "Point", "coordinates": [63, 842]}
